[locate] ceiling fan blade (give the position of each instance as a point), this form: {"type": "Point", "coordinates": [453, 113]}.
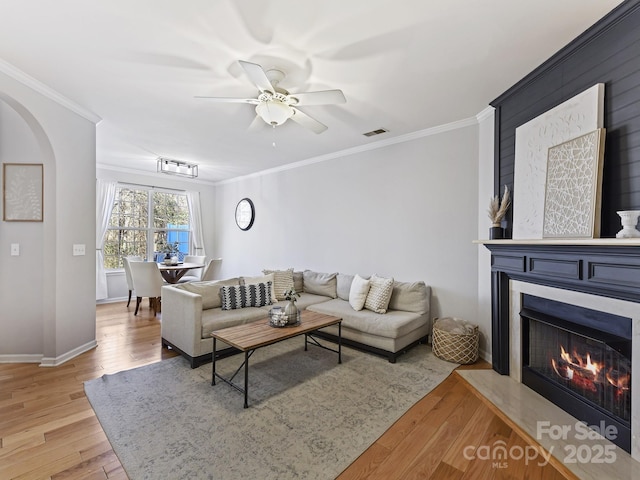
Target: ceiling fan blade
{"type": "Point", "coordinates": [257, 75]}
{"type": "Point", "coordinates": [325, 97]}
{"type": "Point", "coordinates": [256, 124]}
{"type": "Point", "coordinates": [308, 122]}
{"type": "Point", "coordinates": [253, 101]}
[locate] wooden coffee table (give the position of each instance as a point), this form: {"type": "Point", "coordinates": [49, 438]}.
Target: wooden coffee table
{"type": "Point", "coordinates": [251, 336]}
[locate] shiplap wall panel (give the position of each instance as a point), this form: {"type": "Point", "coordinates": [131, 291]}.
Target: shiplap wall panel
{"type": "Point", "coordinates": [609, 52]}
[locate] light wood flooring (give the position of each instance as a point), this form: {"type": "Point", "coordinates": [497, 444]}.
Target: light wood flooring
{"type": "Point", "coordinates": [48, 429]}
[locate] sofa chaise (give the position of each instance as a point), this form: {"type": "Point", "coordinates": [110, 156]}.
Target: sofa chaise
{"type": "Point", "coordinates": [191, 311]}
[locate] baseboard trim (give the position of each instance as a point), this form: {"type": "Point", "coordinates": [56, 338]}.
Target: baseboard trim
{"type": "Point", "coordinates": [111, 300]}
{"type": "Point", "coordinates": [21, 358]}
{"type": "Point", "coordinates": [59, 360]}
{"type": "Point", "coordinates": [485, 355]}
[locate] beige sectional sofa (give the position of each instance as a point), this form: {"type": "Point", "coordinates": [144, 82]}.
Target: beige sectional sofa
{"type": "Point", "coordinates": [405, 323]}
{"type": "Point", "coordinates": [191, 311]}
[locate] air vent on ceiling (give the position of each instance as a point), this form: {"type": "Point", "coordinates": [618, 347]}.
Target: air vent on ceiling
{"type": "Point", "coordinates": [375, 132]}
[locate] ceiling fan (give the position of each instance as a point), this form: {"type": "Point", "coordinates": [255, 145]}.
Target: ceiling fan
{"type": "Point", "coordinates": [276, 105]}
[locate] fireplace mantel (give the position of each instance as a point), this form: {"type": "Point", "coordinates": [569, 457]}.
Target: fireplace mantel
{"type": "Point", "coordinates": [613, 242]}
{"type": "Point", "coordinates": [605, 267]}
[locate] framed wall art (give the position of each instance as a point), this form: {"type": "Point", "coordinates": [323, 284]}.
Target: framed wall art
{"type": "Point", "coordinates": [22, 192]}
{"type": "Point", "coordinates": [573, 188]}
{"type": "Point", "coordinates": [577, 116]}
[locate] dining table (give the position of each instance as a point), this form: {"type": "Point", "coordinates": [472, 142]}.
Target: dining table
{"type": "Point", "coordinates": [173, 273]}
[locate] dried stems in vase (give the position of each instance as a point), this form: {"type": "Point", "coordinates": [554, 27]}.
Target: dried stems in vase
{"type": "Point", "coordinates": [498, 208]}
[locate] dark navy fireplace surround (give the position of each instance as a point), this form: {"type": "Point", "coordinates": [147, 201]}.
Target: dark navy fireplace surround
{"type": "Point", "coordinates": [605, 270]}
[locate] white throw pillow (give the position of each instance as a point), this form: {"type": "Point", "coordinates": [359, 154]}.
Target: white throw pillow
{"type": "Point", "coordinates": [358, 292]}
{"type": "Point", "coordinates": [379, 294]}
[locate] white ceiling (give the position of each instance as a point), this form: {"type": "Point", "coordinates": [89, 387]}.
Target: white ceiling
{"type": "Point", "coordinates": [403, 65]}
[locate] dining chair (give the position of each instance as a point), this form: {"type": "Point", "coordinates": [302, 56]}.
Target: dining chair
{"type": "Point", "coordinates": [211, 269]}
{"type": "Point", "coordinates": [147, 282]}
{"type": "Point", "coordinates": [127, 272]}
{"type": "Point", "coordinates": [195, 274]}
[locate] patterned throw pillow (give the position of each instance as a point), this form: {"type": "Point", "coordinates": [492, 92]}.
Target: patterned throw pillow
{"type": "Point", "coordinates": [260, 279]}
{"type": "Point", "coordinates": [282, 281]}
{"type": "Point", "coordinates": [379, 294]}
{"type": "Point", "coordinates": [209, 291]}
{"type": "Point", "coordinates": [240, 296]}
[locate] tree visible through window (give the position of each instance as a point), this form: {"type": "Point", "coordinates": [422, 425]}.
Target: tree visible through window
{"type": "Point", "coordinates": [142, 221]}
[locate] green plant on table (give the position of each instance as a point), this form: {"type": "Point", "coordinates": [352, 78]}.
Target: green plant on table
{"type": "Point", "coordinates": [169, 248]}
{"type": "Point", "coordinates": [291, 295]}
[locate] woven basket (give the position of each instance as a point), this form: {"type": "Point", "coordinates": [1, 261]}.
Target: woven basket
{"type": "Point", "coordinates": [456, 347]}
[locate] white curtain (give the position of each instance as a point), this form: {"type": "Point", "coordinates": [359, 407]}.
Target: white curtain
{"type": "Point", "coordinates": [193, 199]}
{"type": "Point", "coordinates": [105, 194]}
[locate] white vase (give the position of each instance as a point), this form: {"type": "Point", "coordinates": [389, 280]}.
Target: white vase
{"type": "Point", "coordinates": [629, 220]}
{"type": "Point", "coordinates": [291, 312]}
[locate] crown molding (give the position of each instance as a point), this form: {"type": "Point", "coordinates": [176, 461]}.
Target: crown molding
{"type": "Point", "coordinates": [467, 122]}
{"type": "Point", "coordinates": [486, 113]}
{"type": "Point", "coordinates": [48, 92]}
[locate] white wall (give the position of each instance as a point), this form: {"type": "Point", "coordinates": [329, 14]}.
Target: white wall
{"type": "Point", "coordinates": [18, 145]}
{"type": "Point", "coordinates": [485, 192]}
{"type": "Point", "coordinates": [48, 307]}
{"type": "Point", "coordinates": [407, 210]}
{"type": "Point", "coordinates": [116, 281]}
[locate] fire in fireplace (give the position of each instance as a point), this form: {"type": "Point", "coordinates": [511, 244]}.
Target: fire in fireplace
{"type": "Point", "coordinates": [579, 359]}
{"type": "Point", "coordinates": [584, 375]}
{"type": "Point", "coordinates": [587, 367]}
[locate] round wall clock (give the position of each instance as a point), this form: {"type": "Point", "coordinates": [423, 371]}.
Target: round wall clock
{"type": "Point", "coordinates": [245, 214]}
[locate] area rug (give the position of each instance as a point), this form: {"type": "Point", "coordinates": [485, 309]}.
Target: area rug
{"type": "Point", "coordinates": [308, 416]}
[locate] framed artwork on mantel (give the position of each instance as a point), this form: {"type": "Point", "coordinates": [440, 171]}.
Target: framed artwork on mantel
{"type": "Point", "coordinates": [22, 192]}
{"type": "Point", "coordinates": [577, 116]}
{"type": "Point", "coordinates": [573, 187]}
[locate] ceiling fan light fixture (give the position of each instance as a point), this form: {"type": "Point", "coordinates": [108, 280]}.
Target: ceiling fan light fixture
{"type": "Point", "coordinates": [177, 167]}
{"type": "Point", "coordinates": [274, 112]}
{"type": "Point", "coordinates": [275, 105]}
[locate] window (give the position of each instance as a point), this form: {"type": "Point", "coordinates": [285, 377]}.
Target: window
{"type": "Point", "coordinates": [142, 221]}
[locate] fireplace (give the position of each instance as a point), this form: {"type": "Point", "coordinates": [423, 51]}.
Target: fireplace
{"type": "Point", "coordinates": [601, 279]}
{"type": "Point", "coordinates": [580, 359]}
